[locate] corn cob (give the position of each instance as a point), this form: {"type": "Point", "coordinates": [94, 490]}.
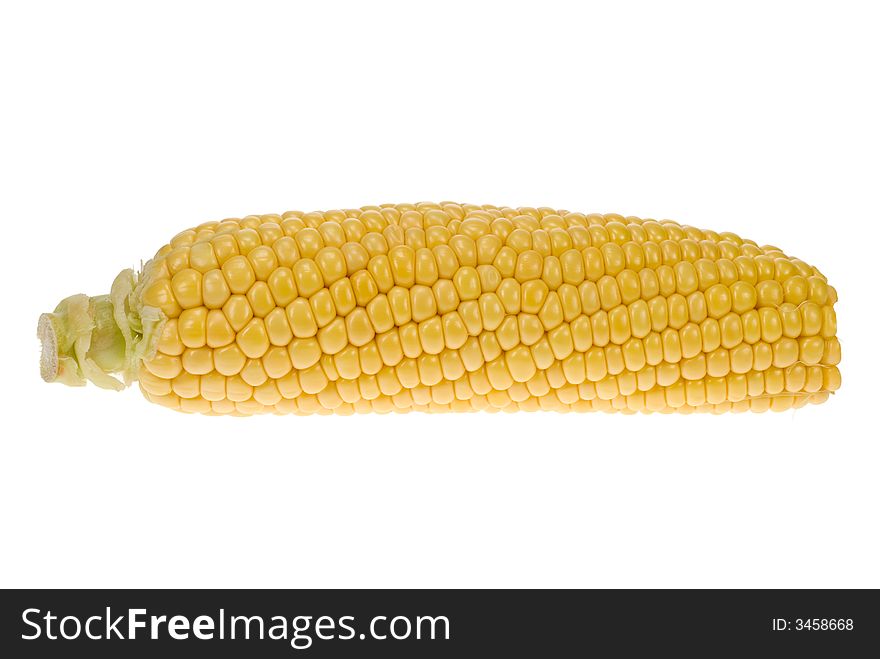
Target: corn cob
{"type": "Point", "coordinates": [455, 307]}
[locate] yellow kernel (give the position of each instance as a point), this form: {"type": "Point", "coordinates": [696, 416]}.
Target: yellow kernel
{"type": "Point", "coordinates": [819, 290]}
{"type": "Point", "coordinates": [331, 264]}
{"type": "Point", "coordinates": [614, 359]}
{"type": "Point", "coordinates": [323, 310]}
{"type": "Point", "coordinates": [552, 272]}
{"type": "Point", "coordinates": [600, 328]}
{"type": "Point", "coordinates": [347, 363]}
{"type": "Point", "coordinates": [618, 321]}
{"type": "Point", "coordinates": [697, 310]}
{"type": "Point", "coordinates": [829, 322]}
{"type": "Point", "coordinates": [470, 316]}
{"type": "Point", "coordinates": [431, 335]}
{"type": "Point", "coordinates": [718, 363]}
{"type": "Point", "coordinates": [629, 286]}
{"type": "Point", "coordinates": [237, 311]}
{"type": "Point", "coordinates": [159, 294]}
{"type": "Point", "coordinates": [774, 381]}
{"type": "Point", "coordinates": [614, 257]}
{"type": "Point", "coordinates": [409, 339]}
{"type": "Point", "coordinates": [247, 239]}
{"type": "Point", "coordinates": [678, 310]}
{"type": "Point", "coordinates": [491, 311]}
{"type": "Point", "coordinates": [653, 344]}
{"type": "Point", "coordinates": [402, 261]}
{"type": "Point", "coordinates": [425, 267]}
{"type": "Point", "coordinates": [239, 274]}
{"type": "Point", "coordinates": [185, 385]}
{"type": "Point", "coordinates": [282, 286]}
{"type": "Point", "coordinates": [751, 322]}
{"type": "Point", "coordinates": [309, 242]}
{"type": "Point", "coordinates": [169, 340]}
{"type": "Point", "coordinates": [465, 250]}
{"type": "Point", "coordinates": [505, 261]}
{"type": "Point", "coordinates": [691, 340]}
{"type": "Point", "coordinates": [202, 257]}
{"type": "Point", "coordinates": [192, 327]}
{"type": "Point", "coordinates": [707, 273]}
{"type": "Point", "coordinates": [364, 287]}
{"type": "Point", "coordinates": [510, 294]}
{"type": "Point", "coordinates": [533, 295]}
{"type": "Point", "coordinates": [490, 278]}
{"type": "Point", "coordinates": [718, 300]}
{"type": "Point", "coordinates": [197, 361]}
{"type": "Point", "coordinates": [731, 330]}
{"type": "Point", "coordinates": [529, 265]}
{"type": "Point", "coordinates": [597, 369]}
{"type": "Point", "coordinates": [356, 257]}
{"type": "Point", "coordinates": [763, 356]}
{"type": "Point", "coordinates": [304, 352]}
{"type": "Point", "coordinates": [218, 330]}
{"type": "Point", "coordinates": [609, 293]}
{"type": "Point", "coordinates": [401, 309]}
{"type": "Point", "coordinates": [811, 349]}
{"type": "Point", "coordinates": [711, 331]}
{"type": "Point", "coordinates": [342, 295]}
{"type": "Point", "coordinates": [785, 352]}
{"type": "Point", "coordinates": [445, 295]}
{"type": "Point", "coordinates": [467, 283]}
{"type": "Point", "coordinates": [769, 293]}
{"type": "Point", "coordinates": [301, 319]}
{"type": "Point", "coordinates": [286, 251]}
{"type": "Point", "coordinates": [551, 312]}
{"type": "Point", "coordinates": [237, 389]}
{"type": "Point", "coordinates": [488, 247]}
{"type": "Point", "coordinates": [796, 289]}
{"type": "Point", "coordinates": [811, 318]}
{"type": "Point", "coordinates": [224, 246]}
{"type": "Point", "coordinates": [771, 324]}
{"type": "Point", "coordinates": [380, 269]}
{"type": "Point", "coordinates": [358, 327]}
{"type": "Point", "coordinates": [164, 366]}
{"type": "Point", "coordinates": [451, 365]}
{"type": "Point", "coordinates": [649, 284]}
{"type": "Point", "coordinates": [640, 319]}
{"type": "Point", "coordinates": [686, 278]}
{"type": "Point", "coordinates": [520, 364]}
{"type": "Point", "coordinates": [695, 392]}
{"type": "Point", "coordinates": [277, 327]}
{"type": "Point", "coordinates": [263, 261]}
{"type": "Point", "coordinates": [667, 374]}
{"type": "Point", "coordinates": [422, 302]}
{"type": "Point", "coordinates": [187, 287]}
{"type": "Point", "coordinates": [276, 362]}
{"type": "Point", "coordinates": [215, 290]}
{"type": "Point", "coordinates": [454, 331]}
{"type": "Point", "coordinates": [253, 339]}
{"type": "Point", "coordinates": [333, 337]}
{"type": "Point", "coordinates": [430, 372]}
{"type": "Point", "coordinates": [389, 347]}
{"type": "Point", "coordinates": [267, 394]}
{"type": "Point", "coordinates": [229, 359]}
{"type": "Point", "coordinates": [830, 379]}
{"type": "Point", "coordinates": [498, 375]}
{"type": "Point", "coordinates": [260, 299]}
{"type": "Point", "coordinates": [307, 277]}
{"type": "Point", "coordinates": [177, 259]}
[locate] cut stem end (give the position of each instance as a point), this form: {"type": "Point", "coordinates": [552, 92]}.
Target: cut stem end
{"type": "Point", "coordinates": [93, 339]}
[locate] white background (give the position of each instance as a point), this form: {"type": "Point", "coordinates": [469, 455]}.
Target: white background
{"type": "Point", "coordinates": [123, 124]}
